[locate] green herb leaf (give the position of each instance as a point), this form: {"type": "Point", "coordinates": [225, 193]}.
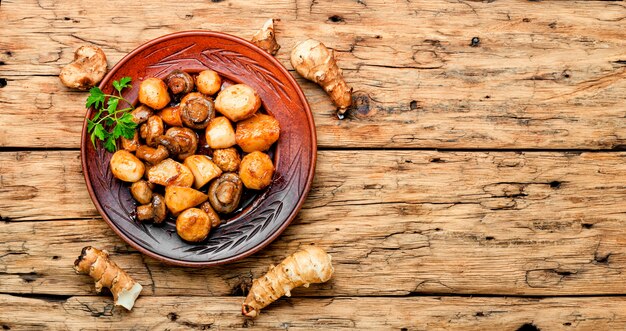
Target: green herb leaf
{"type": "Point", "coordinates": [109, 144]}
{"type": "Point", "coordinates": [116, 123]}
{"type": "Point", "coordinates": [121, 84]}
{"type": "Point", "coordinates": [96, 98]}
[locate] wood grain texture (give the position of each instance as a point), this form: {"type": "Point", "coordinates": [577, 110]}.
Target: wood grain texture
{"type": "Point", "coordinates": [544, 75]}
{"type": "Point", "coordinates": [396, 223]}
{"type": "Point", "coordinates": [224, 313]}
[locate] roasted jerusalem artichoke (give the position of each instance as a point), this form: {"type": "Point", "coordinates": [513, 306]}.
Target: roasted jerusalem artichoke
{"type": "Point", "coordinates": [309, 265]}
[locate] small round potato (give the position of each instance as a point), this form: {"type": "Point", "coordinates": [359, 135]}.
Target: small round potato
{"type": "Point", "coordinates": [127, 167]}
{"type": "Point", "coordinates": [193, 225]}
{"type": "Point", "coordinates": [220, 133]}
{"type": "Point", "coordinates": [237, 102]}
{"type": "Point", "coordinates": [256, 170]}
{"type": "Point", "coordinates": [141, 191]}
{"type": "Point", "coordinates": [153, 93]}
{"type": "Point", "coordinates": [257, 133]}
{"type": "Point", "coordinates": [208, 82]}
{"type": "Point", "coordinates": [227, 159]}
{"type": "Point", "coordinates": [171, 116]}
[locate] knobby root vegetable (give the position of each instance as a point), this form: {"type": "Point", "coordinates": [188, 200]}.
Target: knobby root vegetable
{"type": "Point", "coordinates": [87, 69]}
{"type": "Point", "coordinates": [313, 61]}
{"type": "Point", "coordinates": [97, 264]}
{"type": "Point", "coordinates": [266, 38]}
{"type": "Point", "coordinates": [309, 265]}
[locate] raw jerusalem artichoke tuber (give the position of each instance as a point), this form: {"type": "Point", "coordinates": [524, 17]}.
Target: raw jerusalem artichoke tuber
{"type": "Point", "coordinates": [313, 61]}
{"type": "Point", "coordinates": [266, 38]}
{"type": "Point", "coordinates": [307, 266]}
{"type": "Point", "coordinates": [106, 273]}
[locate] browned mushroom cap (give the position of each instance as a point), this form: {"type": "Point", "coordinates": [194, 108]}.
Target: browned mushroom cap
{"type": "Point", "coordinates": [143, 131]}
{"type": "Point", "coordinates": [213, 216]}
{"type": "Point", "coordinates": [152, 155]}
{"type": "Point", "coordinates": [225, 193]}
{"type": "Point", "coordinates": [154, 128]}
{"type": "Point", "coordinates": [159, 208]}
{"type": "Point", "coordinates": [196, 110]}
{"type": "Point", "coordinates": [141, 114]}
{"type": "Point", "coordinates": [179, 82]}
{"type": "Point", "coordinates": [155, 211]}
{"type": "Point", "coordinates": [179, 141]}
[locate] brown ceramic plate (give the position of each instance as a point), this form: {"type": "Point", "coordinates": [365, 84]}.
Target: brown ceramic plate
{"type": "Point", "coordinates": [267, 213]}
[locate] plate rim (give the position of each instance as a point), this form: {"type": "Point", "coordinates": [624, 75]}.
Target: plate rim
{"type": "Point", "coordinates": [307, 187]}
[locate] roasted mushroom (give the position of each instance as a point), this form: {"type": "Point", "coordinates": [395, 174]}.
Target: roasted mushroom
{"type": "Point", "coordinates": [179, 82]}
{"type": "Point", "coordinates": [256, 170]}
{"type": "Point", "coordinates": [125, 166]}
{"type": "Point", "coordinates": [220, 133]}
{"type": "Point", "coordinates": [227, 159]}
{"type": "Point", "coordinates": [196, 110]}
{"type": "Point", "coordinates": [257, 133]}
{"type": "Point", "coordinates": [152, 155]}
{"type": "Point", "coordinates": [141, 114]}
{"type": "Point", "coordinates": [237, 102]}
{"type": "Point", "coordinates": [208, 82]}
{"type": "Point", "coordinates": [225, 193]}
{"type": "Point", "coordinates": [141, 191]}
{"type": "Point", "coordinates": [131, 145]}
{"type": "Point", "coordinates": [179, 198]}
{"type": "Point", "coordinates": [202, 168]}
{"type": "Point", "coordinates": [154, 129]}
{"type": "Point", "coordinates": [155, 211]}
{"type": "Point", "coordinates": [169, 172]}
{"type": "Point", "coordinates": [153, 93]}
{"type": "Point", "coordinates": [171, 116]}
{"type": "Point", "coordinates": [193, 225]}
{"type": "Point", "coordinates": [180, 141]}
{"type": "Point", "coordinates": [213, 216]}
{"type": "Point", "coordinates": [87, 69]}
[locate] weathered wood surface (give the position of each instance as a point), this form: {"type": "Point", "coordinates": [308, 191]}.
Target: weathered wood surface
{"type": "Point", "coordinates": [403, 226]}
{"type": "Point", "coordinates": [396, 223]}
{"type": "Point", "coordinates": [223, 313]}
{"type": "Point", "coordinates": [545, 74]}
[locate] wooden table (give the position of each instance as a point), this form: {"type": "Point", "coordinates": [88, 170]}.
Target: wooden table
{"type": "Point", "coordinates": [474, 186]}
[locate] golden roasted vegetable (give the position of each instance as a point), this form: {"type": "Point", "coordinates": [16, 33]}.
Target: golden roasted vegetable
{"type": "Point", "coordinates": [202, 168]}
{"type": "Point", "coordinates": [237, 102]}
{"type": "Point", "coordinates": [220, 133]}
{"type": "Point", "coordinates": [193, 225]}
{"type": "Point", "coordinates": [154, 128]}
{"type": "Point", "coordinates": [153, 93]}
{"type": "Point", "coordinates": [141, 114]}
{"type": "Point", "coordinates": [125, 166]}
{"type": "Point", "coordinates": [256, 170]}
{"type": "Point", "coordinates": [208, 82]}
{"type": "Point", "coordinates": [171, 116]}
{"type": "Point", "coordinates": [169, 172]}
{"type": "Point", "coordinates": [181, 142]}
{"type": "Point", "coordinates": [257, 133]}
{"type": "Point", "coordinates": [131, 145]}
{"type": "Point", "coordinates": [141, 191]}
{"type": "Point", "coordinates": [179, 198]}
{"type": "Point", "coordinates": [227, 159]}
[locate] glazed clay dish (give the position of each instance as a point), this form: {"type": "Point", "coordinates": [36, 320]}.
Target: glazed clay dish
{"type": "Point", "coordinates": [263, 214]}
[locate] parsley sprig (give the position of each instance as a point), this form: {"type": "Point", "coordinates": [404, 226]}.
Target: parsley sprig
{"type": "Point", "coordinates": [110, 123]}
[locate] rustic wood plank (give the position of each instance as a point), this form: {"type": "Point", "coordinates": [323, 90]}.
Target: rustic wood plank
{"type": "Point", "coordinates": [415, 313]}
{"type": "Point", "coordinates": [545, 74]}
{"type": "Point", "coordinates": [396, 222]}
